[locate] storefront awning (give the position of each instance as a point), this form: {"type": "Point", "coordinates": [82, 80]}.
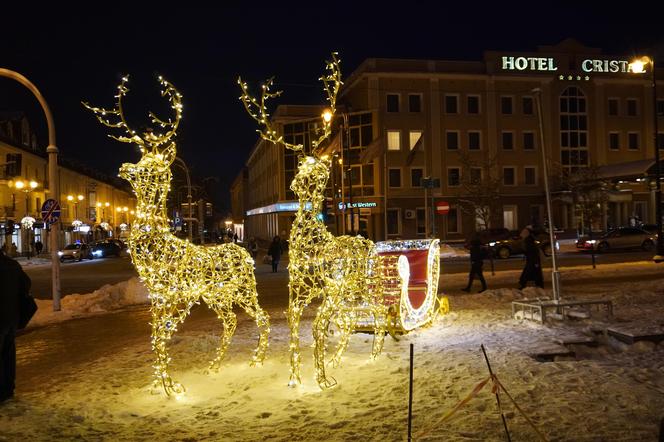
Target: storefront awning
{"type": "Point", "coordinates": [627, 170]}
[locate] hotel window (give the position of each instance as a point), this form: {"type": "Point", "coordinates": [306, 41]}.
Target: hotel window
{"type": "Point", "coordinates": [528, 140]}
{"type": "Point", "coordinates": [453, 221]}
{"type": "Point", "coordinates": [394, 177]}
{"type": "Point", "coordinates": [414, 103]}
{"type": "Point", "coordinates": [506, 107]}
{"type": "Point", "coordinates": [614, 105]}
{"type": "Point", "coordinates": [421, 221]}
{"type": "Point", "coordinates": [507, 140]}
{"type": "Point", "coordinates": [393, 140]}
{"type": "Point", "coordinates": [393, 102]}
{"type": "Point", "coordinates": [473, 104]}
{"type": "Point", "coordinates": [452, 138]}
{"type": "Point", "coordinates": [529, 175]}
{"type": "Point", "coordinates": [453, 176]}
{"type": "Point", "coordinates": [475, 175]}
{"type": "Point", "coordinates": [414, 136]}
{"type": "Point", "coordinates": [509, 176]}
{"type": "Point", "coordinates": [416, 177]}
{"type": "Point", "coordinates": [573, 130]}
{"type": "Point", "coordinates": [632, 107]}
{"type": "Point", "coordinates": [633, 141]}
{"type": "Point", "coordinates": [393, 221]}
{"type": "Point", "coordinates": [527, 105]}
{"type": "Point", "coordinates": [660, 107]}
{"type": "Point", "coordinates": [474, 140]}
{"type": "Point", "coordinates": [451, 104]}
{"type": "Point", "coordinates": [614, 141]}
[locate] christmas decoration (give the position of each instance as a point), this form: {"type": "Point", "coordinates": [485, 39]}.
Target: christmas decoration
{"type": "Point", "coordinates": [346, 272]}
{"type": "Point", "coordinates": [177, 273]}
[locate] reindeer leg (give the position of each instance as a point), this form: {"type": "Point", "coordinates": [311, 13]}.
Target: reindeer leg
{"type": "Point", "coordinates": [379, 312]}
{"type": "Point", "coordinates": [320, 327]}
{"type": "Point", "coordinates": [295, 309]}
{"type": "Point", "coordinates": [249, 302]}
{"type": "Point", "coordinates": [345, 325]}
{"type": "Point", "coordinates": [163, 327]}
{"type": "Point", "coordinates": [230, 322]}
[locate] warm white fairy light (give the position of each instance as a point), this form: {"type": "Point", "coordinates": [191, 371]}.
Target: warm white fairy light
{"type": "Point", "coordinates": [177, 273]}
{"type": "Point", "coordinates": [346, 272]}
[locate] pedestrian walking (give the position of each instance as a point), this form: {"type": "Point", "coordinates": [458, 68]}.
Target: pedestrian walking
{"type": "Point", "coordinates": [15, 288]}
{"type": "Point", "coordinates": [253, 247]}
{"type": "Point", "coordinates": [532, 271]}
{"type": "Point", "coordinates": [476, 264]}
{"type": "Point", "coordinates": [275, 252]}
{"type": "Point", "coordinates": [39, 247]}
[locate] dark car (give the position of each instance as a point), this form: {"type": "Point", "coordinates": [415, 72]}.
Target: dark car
{"type": "Point", "coordinates": [101, 249]}
{"type": "Point", "coordinates": [504, 243]}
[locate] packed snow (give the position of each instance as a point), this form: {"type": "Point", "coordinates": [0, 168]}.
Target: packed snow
{"type": "Point", "coordinates": [612, 391]}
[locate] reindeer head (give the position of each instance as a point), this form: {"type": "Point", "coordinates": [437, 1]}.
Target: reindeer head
{"type": "Point", "coordinates": [311, 179]}
{"type": "Point", "coordinates": [258, 111]}
{"type": "Point", "coordinates": [150, 177]}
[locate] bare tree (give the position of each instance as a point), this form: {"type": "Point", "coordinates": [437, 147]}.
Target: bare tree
{"type": "Point", "coordinates": [588, 190]}
{"type": "Point", "coordinates": [480, 184]}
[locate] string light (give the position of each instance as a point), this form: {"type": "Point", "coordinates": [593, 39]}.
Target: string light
{"type": "Point", "coordinates": [177, 273]}
{"type": "Point", "coordinates": [346, 272]}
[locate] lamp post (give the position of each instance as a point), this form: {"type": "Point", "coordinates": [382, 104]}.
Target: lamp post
{"type": "Point", "coordinates": [53, 181]}
{"type": "Point", "coordinates": [75, 201]}
{"type": "Point", "coordinates": [555, 275]}
{"type": "Point", "coordinates": [638, 66]}
{"type": "Point", "coordinates": [186, 172]}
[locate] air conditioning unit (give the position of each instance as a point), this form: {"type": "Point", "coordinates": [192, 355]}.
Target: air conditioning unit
{"type": "Point", "coordinates": [409, 214]}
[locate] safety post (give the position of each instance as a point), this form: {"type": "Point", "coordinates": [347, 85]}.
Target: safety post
{"type": "Point", "coordinates": [410, 396]}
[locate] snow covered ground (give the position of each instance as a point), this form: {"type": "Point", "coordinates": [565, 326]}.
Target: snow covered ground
{"type": "Point", "coordinates": [609, 392]}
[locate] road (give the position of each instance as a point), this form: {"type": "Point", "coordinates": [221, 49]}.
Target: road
{"type": "Point", "coordinates": [87, 276]}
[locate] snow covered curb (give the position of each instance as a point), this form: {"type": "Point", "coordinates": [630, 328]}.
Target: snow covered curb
{"type": "Point", "coordinates": [105, 299]}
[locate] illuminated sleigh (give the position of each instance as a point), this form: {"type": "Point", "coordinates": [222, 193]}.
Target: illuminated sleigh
{"type": "Point", "coordinates": [413, 305]}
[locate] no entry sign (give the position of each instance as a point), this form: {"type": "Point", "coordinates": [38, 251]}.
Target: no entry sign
{"type": "Point", "coordinates": [442, 207]}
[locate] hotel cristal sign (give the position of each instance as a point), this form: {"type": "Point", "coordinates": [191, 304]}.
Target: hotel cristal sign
{"type": "Point", "coordinates": [544, 64]}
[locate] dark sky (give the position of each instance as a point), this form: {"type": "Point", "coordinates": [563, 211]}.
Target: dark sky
{"type": "Point", "coordinates": [73, 54]}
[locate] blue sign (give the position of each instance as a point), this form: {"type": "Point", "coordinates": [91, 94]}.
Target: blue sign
{"type": "Point", "coordinates": [50, 211]}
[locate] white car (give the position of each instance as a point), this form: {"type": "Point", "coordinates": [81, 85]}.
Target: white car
{"type": "Point", "coordinates": [75, 252]}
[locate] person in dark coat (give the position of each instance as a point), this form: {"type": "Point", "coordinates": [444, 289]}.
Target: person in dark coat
{"type": "Point", "coordinates": [15, 284]}
{"type": "Point", "coordinates": [39, 247]}
{"type": "Point", "coordinates": [275, 252]}
{"type": "Point", "coordinates": [533, 268]}
{"type": "Point", "coordinates": [476, 264]}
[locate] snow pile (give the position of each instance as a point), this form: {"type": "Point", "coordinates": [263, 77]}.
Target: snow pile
{"type": "Point", "coordinates": [33, 262]}
{"type": "Point", "coordinates": [447, 251]}
{"type": "Point", "coordinates": [108, 298]}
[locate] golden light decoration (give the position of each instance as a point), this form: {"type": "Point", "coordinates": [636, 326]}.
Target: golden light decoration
{"type": "Point", "coordinates": [346, 272]}
{"type": "Point", "coordinates": [177, 273]}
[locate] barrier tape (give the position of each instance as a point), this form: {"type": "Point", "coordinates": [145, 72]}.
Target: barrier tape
{"type": "Point", "coordinates": [495, 387]}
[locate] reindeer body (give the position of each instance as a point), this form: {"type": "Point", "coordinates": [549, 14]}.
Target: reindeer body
{"type": "Point", "coordinates": [344, 271]}
{"type": "Point", "coordinates": [177, 273]}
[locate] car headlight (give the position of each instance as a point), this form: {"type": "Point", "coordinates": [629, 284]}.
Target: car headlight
{"type": "Point", "coordinates": [591, 241]}
{"type": "Point", "coordinates": [97, 253]}
{"type": "Point", "coordinates": [60, 253]}
{"type": "Point", "coordinates": [492, 243]}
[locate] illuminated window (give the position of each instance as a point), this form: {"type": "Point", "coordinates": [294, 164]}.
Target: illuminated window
{"type": "Point", "coordinates": [414, 137]}
{"type": "Point", "coordinates": [393, 140]}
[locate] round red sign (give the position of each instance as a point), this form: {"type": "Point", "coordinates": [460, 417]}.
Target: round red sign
{"type": "Point", "coordinates": [442, 207]}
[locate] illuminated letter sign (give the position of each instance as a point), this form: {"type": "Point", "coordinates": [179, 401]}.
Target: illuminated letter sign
{"type": "Point", "coordinates": [511, 63]}
{"type": "Point", "coordinates": [590, 65]}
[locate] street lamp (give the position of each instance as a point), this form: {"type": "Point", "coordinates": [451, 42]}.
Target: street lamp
{"type": "Point", "coordinates": [75, 201]}
{"type": "Point", "coordinates": [26, 187]}
{"type": "Point", "coordinates": [638, 66]}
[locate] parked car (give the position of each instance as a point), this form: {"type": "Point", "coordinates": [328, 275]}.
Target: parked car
{"type": "Point", "coordinates": [650, 228]}
{"type": "Point", "coordinates": [504, 243]}
{"type": "Point", "coordinates": [119, 243]}
{"type": "Point", "coordinates": [102, 249]}
{"type": "Point", "coordinates": [75, 252]}
{"type": "Point", "coordinates": [621, 238]}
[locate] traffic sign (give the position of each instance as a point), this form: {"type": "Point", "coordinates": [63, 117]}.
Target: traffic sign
{"type": "Point", "coordinates": [50, 211]}
{"type": "Point", "coordinates": [442, 207]}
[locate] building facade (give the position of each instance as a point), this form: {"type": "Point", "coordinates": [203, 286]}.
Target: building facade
{"type": "Point", "coordinates": [471, 129]}
{"type": "Point", "coordinates": [93, 206]}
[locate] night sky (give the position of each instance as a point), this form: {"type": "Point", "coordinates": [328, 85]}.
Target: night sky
{"type": "Point", "coordinates": [75, 54]}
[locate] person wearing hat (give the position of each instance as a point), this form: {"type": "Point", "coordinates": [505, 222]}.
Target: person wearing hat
{"type": "Point", "coordinates": [532, 271]}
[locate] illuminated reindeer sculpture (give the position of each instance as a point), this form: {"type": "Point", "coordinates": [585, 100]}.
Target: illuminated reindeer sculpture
{"type": "Point", "coordinates": [177, 273]}
{"type": "Point", "coordinates": [344, 271]}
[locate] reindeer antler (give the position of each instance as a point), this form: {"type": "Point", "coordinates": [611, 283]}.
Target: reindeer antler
{"type": "Point", "coordinates": [258, 110]}
{"type": "Point", "coordinates": [150, 140]}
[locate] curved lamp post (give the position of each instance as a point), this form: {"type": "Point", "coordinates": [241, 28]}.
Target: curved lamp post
{"type": "Point", "coordinates": [54, 184]}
